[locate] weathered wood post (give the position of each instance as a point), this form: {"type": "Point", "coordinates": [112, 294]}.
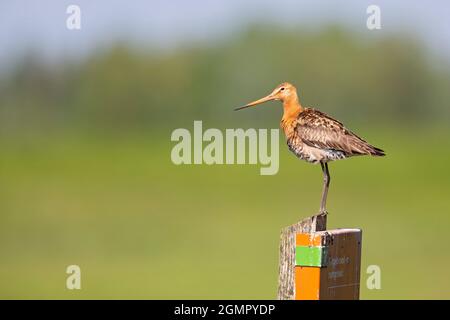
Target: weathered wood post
{"type": "Point", "coordinates": [319, 264]}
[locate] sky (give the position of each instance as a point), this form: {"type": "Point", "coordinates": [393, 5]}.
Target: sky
{"type": "Point", "coordinates": [40, 26]}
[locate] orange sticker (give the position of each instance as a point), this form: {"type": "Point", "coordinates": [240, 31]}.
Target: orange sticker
{"type": "Point", "coordinates": [307, 283]}
{"type": "Point", "coordinates": [306, 239]}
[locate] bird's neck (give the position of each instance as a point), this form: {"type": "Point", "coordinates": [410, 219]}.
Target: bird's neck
{"type": "Point", "coordinates": [292, 108]}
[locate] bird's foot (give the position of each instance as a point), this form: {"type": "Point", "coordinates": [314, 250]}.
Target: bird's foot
{"type": "Point", "coordinates": [318, 225]}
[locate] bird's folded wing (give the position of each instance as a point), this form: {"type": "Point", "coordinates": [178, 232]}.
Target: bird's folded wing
{"type": "Point", "coordinates": [316, 129]}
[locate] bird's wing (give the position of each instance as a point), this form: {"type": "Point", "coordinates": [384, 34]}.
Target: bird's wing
{"type": "Point", "coordinates": [317, 129]}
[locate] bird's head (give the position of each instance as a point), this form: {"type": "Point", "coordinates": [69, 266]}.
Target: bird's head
{"type": "Point", "coordinates": [284, 92]}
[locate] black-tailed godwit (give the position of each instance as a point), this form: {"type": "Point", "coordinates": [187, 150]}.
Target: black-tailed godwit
{"type": "Point", "coordinates": [314, 136]}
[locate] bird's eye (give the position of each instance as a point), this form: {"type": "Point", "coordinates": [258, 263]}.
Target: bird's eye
{"type": "Point", "coordinates": [282, 88]}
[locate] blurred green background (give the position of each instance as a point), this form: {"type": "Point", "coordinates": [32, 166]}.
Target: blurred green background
{"type": "Point", "coordinates": [87, 179]}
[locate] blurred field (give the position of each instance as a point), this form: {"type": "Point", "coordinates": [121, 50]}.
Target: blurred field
{"type": "Point", "coordinates": [141, 227]}
{"type": "Point", "coordinates": [86, 176]}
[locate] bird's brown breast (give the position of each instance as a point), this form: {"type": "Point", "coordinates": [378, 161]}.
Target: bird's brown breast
{"type": "Point", "coordinates": [295, 143]}
{"type": "Point", "coordinates": [288, 125]}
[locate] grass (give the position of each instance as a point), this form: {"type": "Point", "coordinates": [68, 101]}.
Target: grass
{"type": "Point", "coordinates": [141, 227]}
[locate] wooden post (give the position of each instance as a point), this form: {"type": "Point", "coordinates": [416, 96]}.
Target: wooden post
{"type": "Point", "coordinates": [316, 263]}
{"type": "Point", "coordinates": [286, 267]}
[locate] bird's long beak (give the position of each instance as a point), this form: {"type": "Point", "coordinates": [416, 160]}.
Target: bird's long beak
{"type": "Point", "coordinates": [256, 102]}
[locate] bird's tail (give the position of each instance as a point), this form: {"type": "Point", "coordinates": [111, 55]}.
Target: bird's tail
{"type": "Point", "coordinates": [361, 147]}
{"type": "Point", "coordinates": [374, 151]}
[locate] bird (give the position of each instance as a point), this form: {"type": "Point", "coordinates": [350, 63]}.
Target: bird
{"type": "Point", "coordinates": [314, 136]}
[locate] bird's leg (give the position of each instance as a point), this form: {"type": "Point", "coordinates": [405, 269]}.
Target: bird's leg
{"type": "Point", "coordinates": [326, 183]}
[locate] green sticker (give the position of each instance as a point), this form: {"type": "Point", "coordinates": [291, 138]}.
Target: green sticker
{"type": "Point", "coordinates": [310, 256]}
